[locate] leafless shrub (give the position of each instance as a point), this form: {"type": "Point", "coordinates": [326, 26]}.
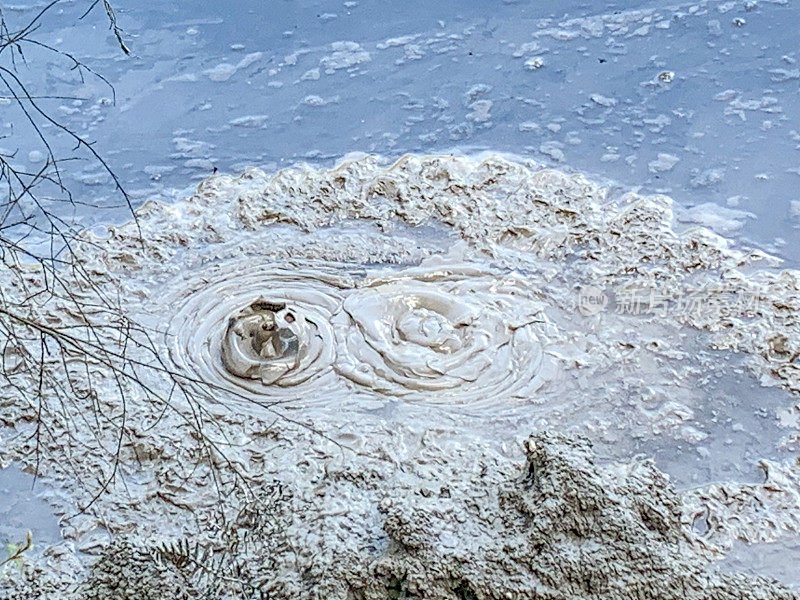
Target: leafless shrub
{"type": "Point", "coordinates": [63, 335]}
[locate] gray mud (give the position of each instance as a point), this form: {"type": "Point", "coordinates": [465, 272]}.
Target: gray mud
{"type": "Point", "coordinates": [558, 527]}
{"type": "Point", "coordinates": [227, 86]}
{"type": "Point", "coordinates": [447, 308]}
{"type": "Point", "coordinates": [345, 458]}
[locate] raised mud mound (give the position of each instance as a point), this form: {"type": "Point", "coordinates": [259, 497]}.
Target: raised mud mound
{"type": "Point", "coordinates": [566, 529]}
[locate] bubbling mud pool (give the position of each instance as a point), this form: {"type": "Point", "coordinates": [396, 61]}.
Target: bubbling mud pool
{"type": "Point", "coordinates": [307, 329]}
{"type": "Point", "coordinates": [458, 332]}
{"type": "Point", "coordinates": [212, 327]}
{"type": "Point", "coordinates": [420, 319]}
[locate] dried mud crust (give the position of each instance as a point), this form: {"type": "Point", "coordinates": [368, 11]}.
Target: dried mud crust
{"type": "Point", "coordinates": [566, 529]}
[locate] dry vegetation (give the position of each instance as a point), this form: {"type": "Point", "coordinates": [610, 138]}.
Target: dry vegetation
{"type": "Point", "coordinates": [63, 335]}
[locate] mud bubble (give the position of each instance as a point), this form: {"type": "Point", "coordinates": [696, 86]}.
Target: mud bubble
{"type": "Point", "coordinates": [267, 341]}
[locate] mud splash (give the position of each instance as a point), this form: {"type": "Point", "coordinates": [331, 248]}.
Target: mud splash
{"type": "Point", "coordinates": [211, 327]}
{"type": "Point", "coordinates": [431, 317]}
{"type": "Point", "coordinates": [267, 340]}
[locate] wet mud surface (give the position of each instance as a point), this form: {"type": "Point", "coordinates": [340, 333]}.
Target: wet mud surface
{"type": "Point", "coordinates": [409, 278]}
{"type": "Point", "coordinates": [344, 360]}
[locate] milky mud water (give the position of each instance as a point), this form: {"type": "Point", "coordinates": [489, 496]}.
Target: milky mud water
{"type": "Point", "coordinates": [605, 315]}
{"type": "Point", "coordinates": [579, 86]}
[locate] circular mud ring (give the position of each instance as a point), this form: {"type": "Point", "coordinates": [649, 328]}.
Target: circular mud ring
{"type": "Point", "coordinates": [296, 332]}
{"type": "Point", "coordinates": [445, 336]}
{"type": "Point", "coordinates": [262, 332]}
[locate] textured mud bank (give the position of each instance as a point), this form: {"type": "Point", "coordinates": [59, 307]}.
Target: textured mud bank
{"type": "Point", "coordinates": [559, 527]}
{"type": "Point", "coordinates": [342, 368]}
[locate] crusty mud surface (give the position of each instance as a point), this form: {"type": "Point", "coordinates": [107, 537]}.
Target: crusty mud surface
{"type": "Point", "coordinates": [558, 527]}
{"type": "Point", "coordinates": [442, 309]}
